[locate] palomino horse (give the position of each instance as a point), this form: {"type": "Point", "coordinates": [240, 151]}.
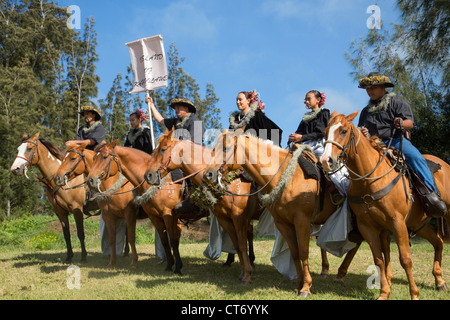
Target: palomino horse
{"type": "Point", "coordinates": [380, 209]}
{"type": "Point", "coordinates": [157, 204]}
{"type": "Point", "coordinates": [234, 213]}
{"type": "Point", "coordinates": [291, 198]}
{"type": "Point", "coordinates": [116, 202]}
{"type": "Point", "coordinates": [47, 157]}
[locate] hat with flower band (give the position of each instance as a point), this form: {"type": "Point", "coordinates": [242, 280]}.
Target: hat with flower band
{"type": "Point", "coordinates": [375, 79]}
{"type": "Point", "coordinates": [183, 102]}
{"type": "Point", "coordinates": [92, 109]}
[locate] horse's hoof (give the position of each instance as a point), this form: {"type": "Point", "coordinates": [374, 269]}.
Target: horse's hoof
{"type": "Point", "coordinates": [339, 280]}
{"type": "Point", "coordinates": [324, 274]}
{"type": "Point", "coordinates": [442, 287]}
{"type": "Point", "coordinates": [303, 294]}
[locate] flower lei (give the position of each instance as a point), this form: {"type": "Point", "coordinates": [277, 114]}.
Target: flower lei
{"type": "Point", "coordinates": [255, 100]}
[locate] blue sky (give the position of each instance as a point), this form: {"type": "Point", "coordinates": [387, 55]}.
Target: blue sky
{"type": "Point", "coordinates": [281, 48]}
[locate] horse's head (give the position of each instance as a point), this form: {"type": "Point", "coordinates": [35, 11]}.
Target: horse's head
{"type": "Point", "coordinates": [163, 158]}
{"type": "Point", "coordinates": [105, 164]}
{"type": "Point", "coordinates": [73, 165]}
{"type": "Point", "coordinates": [340, 139]}
{"type": "Point", "coordinates": [27, 155]}
{"type": "Point", "coordinates": [223, 157]}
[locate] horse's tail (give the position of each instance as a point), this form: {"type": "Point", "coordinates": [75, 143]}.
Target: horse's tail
{"type": "Point", "coordinates": [444, 228]}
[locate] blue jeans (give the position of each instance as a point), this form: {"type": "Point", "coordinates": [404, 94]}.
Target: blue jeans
{"type": "Point", "coordinates": [415, 160]}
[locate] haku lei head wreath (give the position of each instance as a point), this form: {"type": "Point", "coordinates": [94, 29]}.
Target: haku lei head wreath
{"type": "Point", "coordinates": [141, 115]}
{"type": "Point", "coordinates": [255, 100]}
{"type": "Point", "coordinates": [375, 79]}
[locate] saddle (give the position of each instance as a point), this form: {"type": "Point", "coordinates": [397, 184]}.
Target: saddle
{"type": "Point", "coordinates": [431, 201]}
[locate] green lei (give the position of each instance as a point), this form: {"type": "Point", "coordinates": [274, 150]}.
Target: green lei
{"type": "Point", "coordinates": [205, 197]}
{"type": "Point", "coordinates": [88, 129]}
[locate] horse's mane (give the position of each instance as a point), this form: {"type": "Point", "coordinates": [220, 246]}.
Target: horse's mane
{"type": "Point", "coordinates": [54, 150]}
{"type": "Point", "coordinates": [99, 146]}
{"type": "Point", "coordinates": [264, 141]}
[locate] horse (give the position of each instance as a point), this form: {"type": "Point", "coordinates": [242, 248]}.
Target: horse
{"type": "Point", "coordinates": [379, 202]}
{"type": "Point", "coordinates": [157, 203]}
{"type": "Point", "coordinates": [234, 213]}
{"type": "Point", "coordinates": [115, 203]}
{"type": "Point", "coordinates": [288, 194]}
{"type": "Point", "coordinates": [36, 151]}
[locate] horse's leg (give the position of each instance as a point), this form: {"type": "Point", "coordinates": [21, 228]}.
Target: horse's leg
{"type": "Point", "coordinates": [372, 236]}
{"type": "Point", "coordinates": [126, 249]}
{"type": "Point", "coordinates": [303, 230]}
{"type": "Point", "coordinates": [325, 263]}
{"type": "Point", "coordinates": [64, 220]}
{"type": "Point", "coordinates": [402, 238]}
{"type": "Point", "coordinates": [110, 224]}
{"type": "Point", "coordinates": [288, 233]}
{"type": "Point", "coordinates": [78, 215]}
{"type": "Point", "coordinates": [251, 250]}
{"type": "Point", "coordinates": [436, 241]}
{"type": "Point", "coordinates": [240, 223]}
{"type": "Point", "coordinates": [229, 227]}
{"type": "Point", "coordinates": [130, 217]}
{"type": "Point", "coordinates": [174, 236]}
{"type": "Point", "coordinates": [386, 248]}
{"type": "Point", "coordinates": [343, 268]}
{"type": "Point", "coordinates": [162, 231]}
{"type": "Point", "coordinates": [230, 260]}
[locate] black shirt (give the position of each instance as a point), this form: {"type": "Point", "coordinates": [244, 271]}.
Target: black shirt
{"type": "Point", "coordinates": [260, 125]}
{"type": "Point", "coordinates": [192, 129]}
{"type": "Point", "coordinates": [313, 129]}
{"type": "Point", "coordinates": [139, 139]}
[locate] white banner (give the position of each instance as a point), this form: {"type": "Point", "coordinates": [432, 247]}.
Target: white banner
{"type": "Point", "coordinates": [148, 61]}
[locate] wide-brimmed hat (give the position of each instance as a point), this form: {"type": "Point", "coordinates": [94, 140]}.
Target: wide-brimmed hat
{"type": "Point", "coordinates": [98, 115]}
{"type": "Point", "coordinates": [374, 79]}
{"type": "Point", "coordinates": [184, 102]}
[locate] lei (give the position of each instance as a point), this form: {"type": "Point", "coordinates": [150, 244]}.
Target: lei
{"type": "Point", "coordinates": [88, 129]}
{"type": "Point", "coordinates": [382, 105]}
{"type": "Point", "coordinates": [311, 115]}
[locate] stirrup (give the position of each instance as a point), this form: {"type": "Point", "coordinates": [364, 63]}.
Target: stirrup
{"type": "Point", "coordinates": [433, 205]}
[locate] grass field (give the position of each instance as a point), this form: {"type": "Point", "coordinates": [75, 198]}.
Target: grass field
{"type": "Point", "coordinates": [32, 273]}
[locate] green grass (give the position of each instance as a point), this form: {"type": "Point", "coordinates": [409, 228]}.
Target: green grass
{"type": "Point", "coordinates": [28, 272]}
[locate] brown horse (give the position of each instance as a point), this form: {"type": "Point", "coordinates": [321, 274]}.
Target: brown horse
{"type": "Point", "coordinates": [290, 197]}
{"type": "Point", "coordinates": [380, 209]}
{"type": "Point", "coordinates": [47, 157]}
{"type": "Point", "coordinates": [117, 202]}
{"type": "Point", "coordinates": [157, 204]}
{"type": "Point", "coordinates": [234, 213]}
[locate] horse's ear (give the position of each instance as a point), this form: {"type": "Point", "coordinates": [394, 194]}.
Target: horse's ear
{"type": "Point", "coordinates": [113, 144]}
{"type": "Point", "coordinates": [334, 114]}
{"type": "Point", "coordinates": [352, 116]}
{"type": "Point", "coordinates": [35, 137]}
{"type": "Point", "coordinates": [225, 131]}
{"type": "Point", "coordinates": [83, 146]}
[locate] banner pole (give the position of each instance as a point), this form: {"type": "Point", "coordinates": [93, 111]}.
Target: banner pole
{"type": "Point", "coordinates": [150, 120]}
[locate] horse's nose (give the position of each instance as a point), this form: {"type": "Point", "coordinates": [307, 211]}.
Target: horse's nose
{"type": "Point", "coordinates": [328, 164]}
{"type": "Point", "coordinates": [18, 171]}
{"type": "Point", "coordinates": [210, 176]}
{"type": "Point", "coordinates": [152, 177]}
{"type": "Point", "coordinates": [92, 183]}
{"type": "Point", "coordinates": [59, 180]}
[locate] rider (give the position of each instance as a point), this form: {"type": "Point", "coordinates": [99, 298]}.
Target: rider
{"type": "Point", "coordinates": [251, 115]}
{"type": "Point", "coordinates": [139, 136]}
{"type": "Point", "coordinates": [385, 112]}
{"type": "Point", "coordinates": [93, 131]}
{"type": "Point", "coordinates": [187, 127]}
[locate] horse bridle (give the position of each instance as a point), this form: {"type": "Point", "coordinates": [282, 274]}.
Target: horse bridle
{"type": "Point", "coordinates": [36, 151]}
{"type": "Point", "coordinates": [82, 157]}
{"type": "Point", "coordinates": [351, 142]}
{"type": "Point", "coordinates": [108, 166]}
